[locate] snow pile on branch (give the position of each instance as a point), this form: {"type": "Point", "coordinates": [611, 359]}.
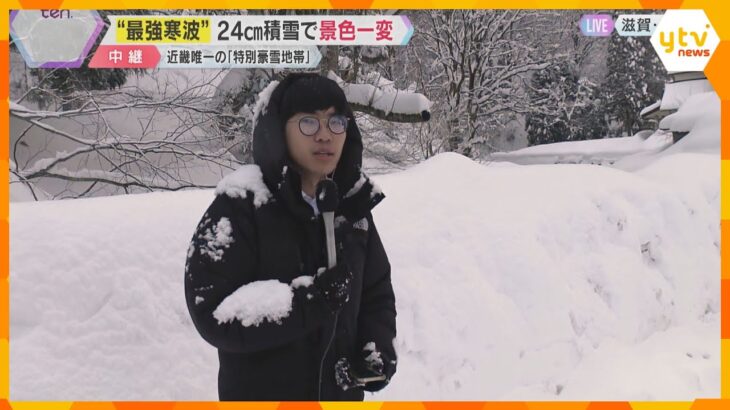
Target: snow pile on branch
{"type": "Point", "coordinates": [256, 302]}
{"type": "Point", "coordinates": [247, 178]}
{"type": "Point", "coordinates": [396, 105]}
{"type": "Point", "coordinates": [14, 106]}
{"type": "Point", "coordinates": [262, 103]}
{"type": "Point", "coordinates": [545, 282]}
{"type": "Point", "coordinates": [22, 190]}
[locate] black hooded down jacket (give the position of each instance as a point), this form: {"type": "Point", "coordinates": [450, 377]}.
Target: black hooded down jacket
{"type": "Point", "coordinates": [258, 228]}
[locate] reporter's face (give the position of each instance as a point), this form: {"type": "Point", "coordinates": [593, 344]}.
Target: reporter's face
{"type": "Point", "coordinates": [315, 141]}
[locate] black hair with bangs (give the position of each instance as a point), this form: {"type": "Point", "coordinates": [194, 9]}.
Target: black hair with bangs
{"type": "Point", "coordinates": [310, 93]}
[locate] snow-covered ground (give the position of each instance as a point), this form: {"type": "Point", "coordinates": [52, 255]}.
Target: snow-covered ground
{"type": "Point", "coordinates": [545, 282]}
{"type": "Point", "coordinates": [599, 151]}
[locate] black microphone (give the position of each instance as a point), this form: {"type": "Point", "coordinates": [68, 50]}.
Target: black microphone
{"type": "Point", "coordinates": [327, 198]}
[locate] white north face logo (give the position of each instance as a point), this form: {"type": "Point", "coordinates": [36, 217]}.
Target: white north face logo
{"type": "Point", "coordinates": [361, 224]}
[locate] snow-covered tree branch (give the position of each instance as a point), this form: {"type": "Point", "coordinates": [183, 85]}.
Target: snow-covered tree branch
{"type": "Point", "coordinates": [387, 104]}
{"type": "Point", "coordinates": [132, 140]}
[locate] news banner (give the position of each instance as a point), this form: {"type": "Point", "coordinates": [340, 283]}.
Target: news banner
{"type": "Point", "coordinates": [202, 41]}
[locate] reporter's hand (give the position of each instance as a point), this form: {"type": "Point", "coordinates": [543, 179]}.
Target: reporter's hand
{"type": "Point", "coordinates": [343, 375]}
{"type": "Point", "coordinates": [334, 284]}
{"type": "Point", "coordinates": [378, 363]}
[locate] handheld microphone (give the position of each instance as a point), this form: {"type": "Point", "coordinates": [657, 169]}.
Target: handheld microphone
{"type": "Point", "coordinates": [327, 198]}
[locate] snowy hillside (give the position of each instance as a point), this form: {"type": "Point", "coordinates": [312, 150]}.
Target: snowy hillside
{"type": "Point", "coordinates": [546, 282]}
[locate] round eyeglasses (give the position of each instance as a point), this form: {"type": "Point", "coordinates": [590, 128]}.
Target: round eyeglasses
{"type": "Point", "coordinates": [309, 124]}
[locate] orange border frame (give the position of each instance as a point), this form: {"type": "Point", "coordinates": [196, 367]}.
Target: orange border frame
{"type": "Point", "coordinates": [716, 71]}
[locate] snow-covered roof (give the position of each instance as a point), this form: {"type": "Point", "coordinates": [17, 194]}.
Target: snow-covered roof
{"type": "Point", "coordinates": [676, 93]}
{"type": "Point", "coordinates": [693, 110]}
{"type": "Point", "coordinates": [686, 75]}
{"type": "Point", "coordinates": [588, 151]}
{"type": "Point", "coordinates": [650, 109]}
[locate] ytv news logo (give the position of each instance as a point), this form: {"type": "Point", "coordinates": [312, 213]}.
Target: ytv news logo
{"type": "Point", "coordinates": [685, 40]}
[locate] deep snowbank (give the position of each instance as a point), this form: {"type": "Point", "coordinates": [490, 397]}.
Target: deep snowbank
{"type": "Point", "coordinates": [598, 151]}
{"type": "Point", "coordinates": [540, 282]}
